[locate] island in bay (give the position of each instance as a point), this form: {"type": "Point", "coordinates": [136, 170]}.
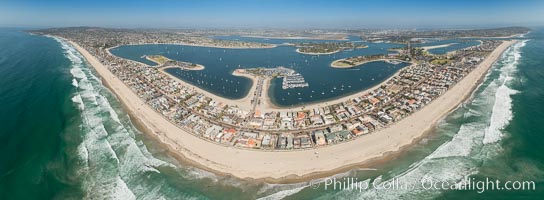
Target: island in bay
{"type": "Point", "coordinates": [292, 107]}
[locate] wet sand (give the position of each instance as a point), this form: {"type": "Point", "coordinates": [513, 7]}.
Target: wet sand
{"type": "Point", "coordinates": [287, 166]}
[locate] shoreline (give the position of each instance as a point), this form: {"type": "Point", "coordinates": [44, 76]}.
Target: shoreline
{"type": "Point", "coordinates": [344, 37]}
{"type": "Point", "coordinates": [195, 68]}
{"type": "Point", "coordinates": [243, 103]}
{"type": "Point", "coordinates": [316, 54]}
{"type": "Point", "coordinates": [268, 105]}
{"type": "Point", "coordinates": [437, 46]}
{"type": "Point", "coordinates": [270, 46]}
{"type": "Point", "coordinates": [333, 65]}
{"type": "Point", "coordinates": [297, 165]}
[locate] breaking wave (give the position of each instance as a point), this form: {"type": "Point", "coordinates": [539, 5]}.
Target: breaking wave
{"type": "Point", "coordinates": [458, 158]}
{"type": "Point", "coordinates": [480, 126]}
{"type": "Point", "coordinates": [111, 163]}
{"type": "Point", "coordinates": [502, 109]}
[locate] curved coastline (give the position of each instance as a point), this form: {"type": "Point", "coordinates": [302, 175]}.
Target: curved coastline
{"type": "Point", "coordinates": [344, 37]}
{"type": "Point", "coordinates": [335, 65]}
{"type": "Point", "coordinates": [199, 45]}
{"type": "Point", "coordinates": [293, 165]}
{"type": "Point", "coordinates": [437, 46]}
{"type": "Point", "coordinates": [243, 103]}
{"type": "Point", "coordinates": [196, 67]}
{"type": "Point", "coordinates": [267, 103]}
{"type": "Point", "coordinates": [316, 54]}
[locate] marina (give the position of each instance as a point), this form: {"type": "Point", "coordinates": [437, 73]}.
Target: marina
{"type": "Point", "coordinates": [316, 70]}
{"type": "Point", "coordinates": [293, 81]}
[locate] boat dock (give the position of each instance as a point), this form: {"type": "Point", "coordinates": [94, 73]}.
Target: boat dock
{"type": "Point", "coordinates": [294, 81]}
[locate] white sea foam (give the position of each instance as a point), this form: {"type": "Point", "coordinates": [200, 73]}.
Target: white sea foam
{"type": "Point", "coordinates": [195, 173]}
{"type": "Point", "coordinates": [104, 104]}
{"type": "Point", "coordinates": [282, 194]}
{"type": "Point", "coordinates": [77, 99]}
{"type": "Point", "coordinates": [502, 108]}
{"type": "Point", "coordinates": [74, 83]}
{"type": "Point", "coordinates": [77, 73]}
{"type": "Point", "coordinates": [461, 143]}
{"type": "Point", "coordinates": [121, 191]}
{"type": "Point", "coordinates": [455, 159]}
{"type": "Point", "coordinates": [471, 113]}
{"type": "Point", "coordinates": [501, 115]}
{"type": "Point", "coordinates": [83, 156]}
{"type": "Point", "coordinates": [285, 190]}
{"type": "Point", "coordinates": [116, 166]}
{"type": "Point", "coordinates": [104, 177]}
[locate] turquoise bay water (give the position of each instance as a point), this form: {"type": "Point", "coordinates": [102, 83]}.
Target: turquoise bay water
{"type": "Point", "coordinates": [64, 136]}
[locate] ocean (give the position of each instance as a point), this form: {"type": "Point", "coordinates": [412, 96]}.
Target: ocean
{"type": "Point", "coordinates": [65, 136]}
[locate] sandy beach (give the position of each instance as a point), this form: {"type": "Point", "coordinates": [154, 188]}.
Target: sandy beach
{"type": "Point", "coordinates": [243, 103]}
{"type": "Point", "coordinates": [268, 106]}
{"type": "Point", "coordinates": [292, 165]}
{"type": "Point", "coordinates": [197, 67]}
{"type": "Point", "coordinates": [334, 65]}
{"type": "Point", "coordinates": [437, 46]}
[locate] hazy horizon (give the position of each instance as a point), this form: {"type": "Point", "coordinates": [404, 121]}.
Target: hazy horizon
{"type": "Point", "coordinates": [271, 14]}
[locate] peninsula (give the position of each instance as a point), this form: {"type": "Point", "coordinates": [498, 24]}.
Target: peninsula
{"type": "Point", "coordinates": [360, 60]}
{"type": "Point", "coordinates": [164, 62]}
{"type": "Point", "coordinates": [247, 139]}
{"type": "Point", "coordinates": [324, 48]}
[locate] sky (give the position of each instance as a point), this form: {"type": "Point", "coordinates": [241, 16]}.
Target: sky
{"type": "Point", "coordinates": [271, 13]}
